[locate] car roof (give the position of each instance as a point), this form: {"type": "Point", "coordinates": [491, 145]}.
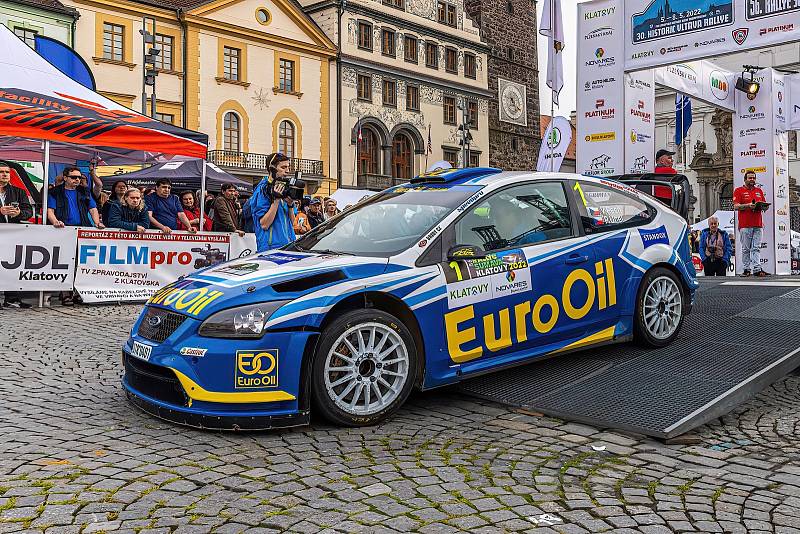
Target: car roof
{"type": "Point", "coordinates": [490, 176]}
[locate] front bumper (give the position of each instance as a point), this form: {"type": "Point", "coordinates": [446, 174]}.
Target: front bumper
{"type": "Point", "coordinates": [219, 383]}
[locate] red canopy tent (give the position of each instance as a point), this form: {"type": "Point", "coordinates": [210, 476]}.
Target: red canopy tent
{"type": "Point", "coordinates": [45, 114]}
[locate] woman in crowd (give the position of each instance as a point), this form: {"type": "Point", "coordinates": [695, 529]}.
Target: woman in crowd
{"type": "Point", "coordinates": [193, 213]}
{"type": "Point", "coordinates": [330, 209]}
{"type": "Point", "coordinates": [117, 192]}
{"type": "Point", "coordinates": [130, 213]}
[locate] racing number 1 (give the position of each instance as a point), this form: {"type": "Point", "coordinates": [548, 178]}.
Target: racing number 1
{"type": "Point", "coordinates": [457, 269]}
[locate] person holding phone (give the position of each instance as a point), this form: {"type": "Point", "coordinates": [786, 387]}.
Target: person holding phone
{"type": "Point", "coordinates": [750, 202]}
{"type": "Point", "coordinates": [14, 208]}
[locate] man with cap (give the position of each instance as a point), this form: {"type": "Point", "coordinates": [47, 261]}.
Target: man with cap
{"type": "Point", "coordinates": [315, 217]}
{"type": "Point", "coordinates": [664, 162]}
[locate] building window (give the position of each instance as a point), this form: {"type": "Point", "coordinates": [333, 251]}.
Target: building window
{"type": "Point", "coordinates": [412, 98]}
{"type": "Point", "coordinates": [113, 39]}
{"type": "Point", "coordinates": [286, 139]}
{"type": "Point", "coordinates": [472, 114]}
{"type": "Point", "coordinates": [169, 118]}
{"type": "Point", "coordinates": [286, 75]}
{"type": "Point", "coordinates": [449, 107]}
{"type": "Point", "coordinates": [450, 60]}
{"type": "Point", "coordinates": [365, 87]}
{"type": "Point", "coordinates": [510, 53]}
{"type": "Point", "coordinates": [450, 155]}
{"type": "Point", "coordinates": [510, 7]}
{"type": "Point", "coordinates": [388, 43]}
{"type": "Point", "coordinates": [432, 55]}
{"type": "Point", "coordinates": [470, 70]}
{"type": "Point", "coordinates": [394, 3]}
{"type": "Point", "coordinates": [390, 93]}
{"type": "Point", "coordinates": [410, 51]}
{"type": "Point", "coordinates": [231, 63]}
{"type": "Point", "coordinates": [474, 159]}
{"type": "Point", "coordinates": [262, 16]}
{"type": "Point", "coordinates": [164, 58]}
{"type": "Point", "coordinates": [27, 35]}
{"type": "Point", "coordinates": [368, 147]}
{"type": "Point", "coordinates": [447, 13]}
{"type": "Point", "coordinates": [365, 36]}
{"type": "Point", "coordinates": [231, 128]}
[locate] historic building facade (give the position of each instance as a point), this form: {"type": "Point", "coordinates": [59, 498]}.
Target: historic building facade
{"type": "Point", "coordinates": [410, 72]}
{"type": "Point", "coordinates": [28, 18]}
{"type": "Point", "coordinates": [252, 74]}
{"type": "Point", "coordinates": [509, 27]}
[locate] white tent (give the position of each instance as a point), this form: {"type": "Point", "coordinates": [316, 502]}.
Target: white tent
{"type": "Point", "coordinates": [726, 221]}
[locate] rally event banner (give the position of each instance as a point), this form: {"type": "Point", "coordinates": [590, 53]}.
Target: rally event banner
{"type": "Point", "coordinates": [36, 258]}
{"type": "Point", "coordinates": [600, 120]}
{"type": "Point", "coordinates": [661, 32]}
{"type": "Point", "coordinates": [700, 79]}
{"type": "Point", "coordinates": [114, 266]}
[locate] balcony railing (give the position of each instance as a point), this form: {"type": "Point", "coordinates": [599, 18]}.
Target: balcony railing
{"type": "Point", "coordinates": [247, 161]}
{"type": "Point", "coordinates": [378, 182]}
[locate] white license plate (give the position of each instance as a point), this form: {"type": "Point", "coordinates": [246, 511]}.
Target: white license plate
{"type": "Point", "coordinates": [141, 351]}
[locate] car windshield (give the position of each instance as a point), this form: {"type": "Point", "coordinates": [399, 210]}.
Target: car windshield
{"type": "Point", "coordinates": [388, 223]}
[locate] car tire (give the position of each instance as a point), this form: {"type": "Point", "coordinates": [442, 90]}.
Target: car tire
{"type": "Point", "coordinates": [361, 384]}
{"type": "Point", "coordinates": [660, 306]}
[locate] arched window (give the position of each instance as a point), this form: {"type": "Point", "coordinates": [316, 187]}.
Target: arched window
{"type": "Point", "coordinates": [402, 157]}
{"type": "Point", "coordinates": [368, 152]}
{"type": "Point", "coordinates": [232, 132]}
{"type": "Point", "coordinates": [286, 138]}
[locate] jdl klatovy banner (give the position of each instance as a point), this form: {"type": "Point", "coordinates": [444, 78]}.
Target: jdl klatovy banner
{"type": "Point", "coordinates": [36, 258]}
{"type": "Point", "coordinates": [129, 266]}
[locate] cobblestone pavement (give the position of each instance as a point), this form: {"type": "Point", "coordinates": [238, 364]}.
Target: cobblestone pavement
{"type": "Point", "coordinates": [75, 456]}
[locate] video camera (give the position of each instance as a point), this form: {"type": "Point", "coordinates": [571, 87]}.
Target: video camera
{"type": "Point", "coordinates": [210, 256]}
{"type": "Point", "coordinates": [293, 187]}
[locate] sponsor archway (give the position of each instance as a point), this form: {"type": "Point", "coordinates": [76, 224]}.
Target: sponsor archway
{"type": "Point", "coordinates": [626, 47]}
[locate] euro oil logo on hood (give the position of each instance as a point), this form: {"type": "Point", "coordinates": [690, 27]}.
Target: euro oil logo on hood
{"type": "Point", "coordinates": [654, 237]}
{"type": "Point", "coordinates": [582, 293]}
{"type": "Point", "coordinates": [188, 301]}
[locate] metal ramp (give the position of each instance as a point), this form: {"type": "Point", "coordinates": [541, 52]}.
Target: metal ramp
{"type": "Point", "coordinates": [742, 335]}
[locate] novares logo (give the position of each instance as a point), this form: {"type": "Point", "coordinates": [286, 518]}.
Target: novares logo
{"type": "Point", "coordinates": [598, 53]}
{"type": "Point", "coordinates": [751, 109]}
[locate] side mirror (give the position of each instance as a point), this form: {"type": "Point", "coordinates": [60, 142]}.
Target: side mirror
{"type": "Point", "coordinates": [465, 252]}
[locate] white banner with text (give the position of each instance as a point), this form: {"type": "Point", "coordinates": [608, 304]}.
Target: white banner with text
{"type": "Point", "coordinates": [37, 258]}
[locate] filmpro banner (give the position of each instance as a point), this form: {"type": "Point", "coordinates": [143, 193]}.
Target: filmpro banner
{"type": "Point", "coordinates": [37, 258]}
{"type": "Point", "coordinates": [557, 138]}
{"type": "Point", "coordinates": [600, 99]}
{"type": "Point", "coordinates": [115, 266]}
{"type": "Point", "coordinates": [664, 32]}
{"type": "Point", "coordinates": [640, 124]}
{"type": "Point", "coordinates": [700, 79]}
{"type": "Point", "coordinates": [759, 145]}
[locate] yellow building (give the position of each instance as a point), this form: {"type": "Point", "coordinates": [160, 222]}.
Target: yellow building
{"type": "Point", "coordinates": [252, 74]}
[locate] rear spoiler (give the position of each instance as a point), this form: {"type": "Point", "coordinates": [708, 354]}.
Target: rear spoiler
{"type": "Point", "coordinates": [672, 190]}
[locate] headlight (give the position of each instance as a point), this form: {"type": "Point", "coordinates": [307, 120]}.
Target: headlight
{"type": "Point", "coordinates": [242, 322]}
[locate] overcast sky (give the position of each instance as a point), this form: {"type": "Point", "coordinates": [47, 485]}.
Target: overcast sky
{"type": "Point", "coordinates": [569, 12]}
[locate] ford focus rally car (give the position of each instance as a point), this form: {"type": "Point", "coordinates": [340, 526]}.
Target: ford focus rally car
{"type": "Point", "coordinates": [454, 274]}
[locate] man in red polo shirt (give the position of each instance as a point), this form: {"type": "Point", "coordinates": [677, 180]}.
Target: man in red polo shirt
{"type": "Point", "coordinates": [746, 201]}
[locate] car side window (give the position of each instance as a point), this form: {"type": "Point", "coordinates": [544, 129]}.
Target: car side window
{"type": "Point", "coordinates": [604, 209]}
{"type": "Point", "coordinates": [517, 216]}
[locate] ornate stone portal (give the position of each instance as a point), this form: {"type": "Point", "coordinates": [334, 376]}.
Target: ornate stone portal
{"type": "Point", "coordinates": [715, 172]}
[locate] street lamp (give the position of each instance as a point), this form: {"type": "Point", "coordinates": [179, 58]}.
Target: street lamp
{"type": "Point", "coordinates": [466, 136]}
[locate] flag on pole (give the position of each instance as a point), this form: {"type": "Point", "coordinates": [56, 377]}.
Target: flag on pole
{"type": "Point", "coordinates": [683, 117]}
{"type": "Point", "coordinates": [360, 136]}
{"type": "Point", "coordinates": [552, 27]}
{"type": "Point", "coordinates": [430, 143]}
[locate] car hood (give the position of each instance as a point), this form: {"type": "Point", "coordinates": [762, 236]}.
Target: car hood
{"type": "Point", "coordinates": [270, 276]}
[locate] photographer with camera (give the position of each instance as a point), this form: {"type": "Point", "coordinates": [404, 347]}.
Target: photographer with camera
{"type": "Point", "coordinates": [271, 205]}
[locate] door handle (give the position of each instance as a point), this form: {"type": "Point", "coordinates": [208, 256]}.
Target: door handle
{"type": "Point", "coordinates": [575, 259]}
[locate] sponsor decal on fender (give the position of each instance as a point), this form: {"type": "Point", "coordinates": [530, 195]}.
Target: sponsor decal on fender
{"type": "Point", "coordinates": [468, 338]}
{"type": "Point", "coordinates": [255, 370]}
{"type": "Point", "coordinates": [654, 237]}
{"type": "Point", "coordinates": [193, 351]}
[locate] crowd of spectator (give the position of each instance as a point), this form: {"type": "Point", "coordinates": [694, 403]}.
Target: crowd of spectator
{"type": "Point", "coordinates": [77, 200]}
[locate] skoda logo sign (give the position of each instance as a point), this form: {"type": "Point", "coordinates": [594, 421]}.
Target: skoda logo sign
{"type": "Point", "coordinates": [154, 321]}
{"type": "Point", "coordinates": [555, 138]}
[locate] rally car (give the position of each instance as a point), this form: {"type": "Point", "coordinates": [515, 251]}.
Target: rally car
{"type": "Point", "coordinates": [457, 273]}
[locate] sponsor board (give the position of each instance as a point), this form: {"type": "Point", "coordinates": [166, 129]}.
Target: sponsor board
{"type": "Point", "coordinates": [36, 257]}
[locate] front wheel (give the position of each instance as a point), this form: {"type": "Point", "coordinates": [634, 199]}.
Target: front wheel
{"type": "Point", "coordinates": [364, 368]}
{"type": "Point", "coordinates": [659, 308]}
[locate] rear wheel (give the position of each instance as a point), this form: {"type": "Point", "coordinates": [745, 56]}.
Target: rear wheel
{"type": "Point", "coordinates": [659, 308]}
{"type": "Point", "coordinates": [364, 368]}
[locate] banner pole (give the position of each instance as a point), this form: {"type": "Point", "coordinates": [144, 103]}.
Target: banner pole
{"type": "Point", "coordinates": [202, 199]}
{"type": "Point", "coordinates": [550, 67]}
{"type": "Point", "coordinates": [45, 194]}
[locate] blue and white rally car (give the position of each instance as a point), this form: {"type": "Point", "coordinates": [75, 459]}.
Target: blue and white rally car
{"type": "Point", "coordinates": [454, 274]}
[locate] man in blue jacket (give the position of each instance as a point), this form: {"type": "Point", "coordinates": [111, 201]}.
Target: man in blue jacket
{"type": "Point", "coordinates": [715, 249]}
